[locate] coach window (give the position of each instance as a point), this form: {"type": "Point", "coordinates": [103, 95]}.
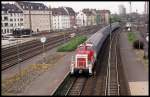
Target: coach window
{"type": "Point", "coordinates": [89, 48]}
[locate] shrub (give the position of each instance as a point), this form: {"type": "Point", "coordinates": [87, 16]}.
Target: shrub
{"type": "Point", "coordinates": [138, 44]}
{"type": "Point", "coordinates": [131, 37]}
{"type": "Point", "coordinates": [72, 44]}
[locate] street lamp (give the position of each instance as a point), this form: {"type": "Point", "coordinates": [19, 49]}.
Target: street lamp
{"type": "Point", "coordinates": [130, 16]}
{"type": "Point", "coordinates": [109, 56]}
{"type": "Point", "coordinates": [30, 20]}
{"type": "Point", "coordinates": [43, 40]}
{"type": "Point", "coordinates": [50, 18]}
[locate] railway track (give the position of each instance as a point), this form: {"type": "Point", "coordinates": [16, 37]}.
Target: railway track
{"type": "Point", "coordinates": [71, 86]}
{"type": "Point", "coordinates": [26, 53]}
{"type": "Point", "coordinates": [34, 47]}
{"type": "Point", "coordinates": [77, 86]}
{"type": "Point", "coordinates": [112, 78]}
{"type": "Point", "coordinates": [101, 83]}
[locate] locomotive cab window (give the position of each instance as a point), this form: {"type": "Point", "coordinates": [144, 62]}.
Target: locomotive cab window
{"type": "Point", "coordinates": [81, 48]}
{"type": "Point", "coordinates": [89, 48]}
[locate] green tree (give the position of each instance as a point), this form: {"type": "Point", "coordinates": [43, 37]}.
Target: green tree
{"type": "Point", "coordinates": [115, 19]}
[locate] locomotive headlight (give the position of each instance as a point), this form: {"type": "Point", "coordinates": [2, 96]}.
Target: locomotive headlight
{"type": "Point", "coordinates": [90, 68]}
{"type": "Point", "coordinates": [94, 55]}
{"type": "Point", "coordinates": [72, 68]}
{"type": "Point", "coordinates": [72, 65]}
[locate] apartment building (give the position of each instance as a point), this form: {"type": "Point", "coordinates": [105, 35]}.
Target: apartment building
{"type": "Point", "coordinates": [37, 16]}
{"type": "Point", "coordinates": [11, 18]}
{"type": "Point", "coordinates": [72, 16]}
{"type": "Point", "coordinates": [81, 19]}
{"type": "Point", "coordinates": [104, 16]}
{"type": "Point", "coordinates": [60, 19]}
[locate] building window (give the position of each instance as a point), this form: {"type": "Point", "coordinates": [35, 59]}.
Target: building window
{"type": "Point", "coordinates": [11, 30]}
{"type": "Point", "coordinates": [5, 18]}
{"type": "Point", "coordinates": [14, 19]}
{"type": "Point", "coordinates": [18, 24]}
{"type": "Point", "coordinates": [18, 19]}
{"type": "Point", "coordinates": [11, 25]}
{"type": "Point", "coordinates": [21, 24]}
{"type": "Point", "coordinates": [21, 19]}
{"type": "Point", "coordinates": [6, 24]}
{"type": "Point", "coordinates": [11, 19]}
{"type": "Point", "coordinates": [7, 30]}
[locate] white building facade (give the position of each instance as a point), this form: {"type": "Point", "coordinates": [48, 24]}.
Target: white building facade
{"type": "Point", "coordinates": [60, 19]}
{"type": "Point", "coordinates": [122, 10]}
{"type": "Point", "coordinates": [11, 18]}
{"type": "Point", "coordinates": [81, 19]}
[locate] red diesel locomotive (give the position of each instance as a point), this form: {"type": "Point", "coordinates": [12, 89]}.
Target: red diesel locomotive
{"type": "Point", "coordinates": [86, 53]}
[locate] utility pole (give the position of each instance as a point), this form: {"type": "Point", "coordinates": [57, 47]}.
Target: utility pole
{"type": "Point", "coordinates": [50, 13]}
{"type": "Point", "coordinates": [30, 21]}
{"type": "Point", "coordinates": [130, 16]}
{"type": "Point", "coordinates": [109, 77]}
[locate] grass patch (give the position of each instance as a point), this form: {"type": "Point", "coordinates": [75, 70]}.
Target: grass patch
{"type": "Point", "coordinates": [131, 37]}
{"type": "Point", "coordinates": [72, 44]}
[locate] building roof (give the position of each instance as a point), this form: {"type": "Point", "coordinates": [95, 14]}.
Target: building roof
{"type": "Point", "coordinates": [59, 11]}
{"type": "Point", "coordinates": [104, 11]}
{"type": "Point", "coordinates": [26, 5]}
{"type": "Point", "coordinates": [70, 11]}
{"type": "Point", "coordinates": [11, 8]}
{"type": "Point", "coordinates": [87, 12]}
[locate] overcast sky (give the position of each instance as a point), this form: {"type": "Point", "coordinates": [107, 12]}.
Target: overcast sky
{"type": "Point", "coordinates": [112, 6]}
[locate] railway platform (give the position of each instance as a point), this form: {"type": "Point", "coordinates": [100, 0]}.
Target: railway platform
{"type": "Point", "coordinates": [135, 71]}
{"type": "Point", "coordinates": [49, 81]}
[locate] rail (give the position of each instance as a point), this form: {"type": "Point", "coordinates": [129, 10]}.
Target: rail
{"type": "Point", "coordinates": [112, 80]}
